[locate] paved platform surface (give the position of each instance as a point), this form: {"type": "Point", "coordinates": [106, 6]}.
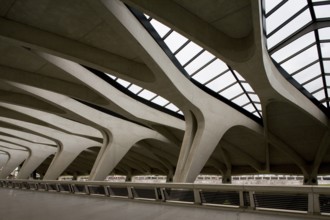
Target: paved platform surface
{"type": "Point", "coordinates": [29, 205]}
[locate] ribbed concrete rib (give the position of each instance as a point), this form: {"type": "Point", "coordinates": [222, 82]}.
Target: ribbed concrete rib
{"type": "Point", "coordinates": [207, 119]}
{"type": "Point", "coordinates": [38, 153]}
{"type": "Point", "coordinates": [119, 135]}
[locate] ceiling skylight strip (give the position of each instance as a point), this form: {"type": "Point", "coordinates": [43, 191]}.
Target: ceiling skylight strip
{"type": "Point", "coordinates": [305, 64]}
{"type": "Point", "coordinates": [145, 94]}
{"type": "Point", "coordinates": [204, 69]}
{"type": "Point", "coordinates": [274, 7]}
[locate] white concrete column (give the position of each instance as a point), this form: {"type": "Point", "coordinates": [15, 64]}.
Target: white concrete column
{"type": "Point", "coordinates": [38, 153]}
{"type": "Point", "coordinates": [119, 135]}
{"type": "Point", "coordinates": [16, 156]}
{"type": "Point", "coordinates": [34, 160]}
{"type": "Point", "coordinates": [4, 156]}
{"type": "Point", "coordinates": [112, 154]}
{"type": "Point", "coordinates": [70, 146]}
{"type": "Point", "coordinates": [207, 118]}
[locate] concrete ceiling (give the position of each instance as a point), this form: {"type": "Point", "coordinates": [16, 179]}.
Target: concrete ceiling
{"type": "Point", "coordinates": [291, 139]}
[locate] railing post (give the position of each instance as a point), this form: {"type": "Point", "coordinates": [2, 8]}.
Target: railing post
{"type": "Point", "coordinates": [313, 203]}
{"type": "Point", "coordinates": [163, 193]}
{"type": "Point", "coordinates": [130, 192]}
{"type": "Point", "coordinates": [241, 199]}
{"type": "Point", "coordinates": [251, 197]}
{"type": "Point", "coordinates": [159, 195]}
{"type": "Point", "coordinates": [87, 190]}
{"type": "Point", "coordinates": [197, 197]}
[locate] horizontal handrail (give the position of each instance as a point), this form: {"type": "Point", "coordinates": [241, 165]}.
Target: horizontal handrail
{"type": "Point", "coordinates": [311, 200]}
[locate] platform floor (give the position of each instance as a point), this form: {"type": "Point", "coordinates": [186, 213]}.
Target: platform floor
{"type": "Point", "coordinates": [29, 205]}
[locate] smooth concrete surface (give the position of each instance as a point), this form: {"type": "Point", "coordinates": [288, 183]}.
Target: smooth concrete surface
{"type": "Point", "coordinates": [39, 71]}
{"type": "Point", "coordinates": [20, 204]}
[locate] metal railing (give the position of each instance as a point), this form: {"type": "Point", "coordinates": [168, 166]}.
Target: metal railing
{"type": "Point", "coordinates": [304, 200]}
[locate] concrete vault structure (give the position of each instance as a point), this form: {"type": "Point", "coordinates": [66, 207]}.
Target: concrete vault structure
{"type": "Point", "coordinates": [176, 88]}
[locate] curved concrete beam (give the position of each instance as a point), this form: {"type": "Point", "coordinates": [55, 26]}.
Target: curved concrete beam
{"type": "Point", "coordinates": [238, 49]}
{"type": "Point", "coordinates": [113, 95]}
{"type": "Point", "coordinates": [38, 153]}
{"type": "Point", "coordinates": [29, 137]}
{"type": "Point", "coordinates": [17, 155]}
{"type": "Point", "coordinates": [70, 146]}
{"type": "Point", "coordinates": [27, 36]}
{"type": "Point", "coordinates": [61, 123]}
{"type": "Point", "coordinates": [4, 157]}
{"type": "Point", "coordinates": [206, 123]}
{"type": "Point", "coordinates": [117, 140]}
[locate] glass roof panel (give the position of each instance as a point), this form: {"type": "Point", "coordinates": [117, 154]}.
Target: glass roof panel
{"type": "Point", "coordinates": [307, 58]}
{"type": "Point", "coordinates": [199, 62]}
{"type": "Point", "coordinates": [249, 107]}
{"type": "Point", "coordinates": [123, 82]}
{"type": "Point", "coordinates": [135, 89]}
{"type": "Point", "coordinates": [290, 28]}
{"type": "Point", "coordinates": [210, 71]}
{"type": "Point", "coordinates": [111, 76]}
{"type": "Point", "coordinates": [322, 11]}
{"type": "Point", "coordinates": [160, 101]}
{"type": "Point", "coordinates": [301, 59]}
{"type": "Point", "coordinates": [326, 66]}
{"type": "Point", "coordinates": [324, 33]}
{"type": "Point", "coordinates": [188, 52]}
{"type": "Point", "coordinates": [232, 91]}
{"type": "Point", "coordinates": [325, 48]}
{"type": "Point", "coordinates": [320, 95]}
{"type": "Point", "coordinates": [174, 41]}
{"type": "Point", "coordinates": [307, 74]}
{"type": "Point", "coordinates": [327, 79]}
{"type": "Point", "coordinates": [283, 13]}
{"type": "Point", "coordinates": [146, 94]}
{"type": "Point", "coordinates": [239, 77]}
{"type": "Point", "coordinates": [206, 69]}
{"type": "Point", "coordinates": [294, 47]}
{"type": "Point", "coordinates": [172, 107]}
{"type": "Point", "coordinates": [314, 85]}
{"type": "Point", "coordinates": [224, 81]}
{"type": "Point", "coordinates": [160, 28]}
{"type": "Point", "coordinates": [241, 100]}
{"type": "Point", "coordinates": [269, 6]}
{"type": "Point", "coordinates": [254, 98]}
{"type": "Point", "coordinates": [247, 87]}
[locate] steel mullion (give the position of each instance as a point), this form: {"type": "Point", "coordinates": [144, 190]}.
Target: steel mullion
{"type": "Point", "coordinates": [240, 84]}
{"type": "Point", "coordinates": [304, 67]}
{"type": "Point", "coordinates": [193, 58]}
{"type": "Point", "coordinates": [202, 67]}
{"type": "Point", "coordinates": [275, 8]}
{"type": "Point", "coordinates": [181, 47]}
{"type": "Point", "coordinates": [318, 45]}
{"type": "Point", "coordinates": [298, 52]}
{"type": "Point", "coordinates": [240, 94]}
{"type": "Point", "coordinates": [215, 77]}
{"type": "Point", "coordinates": [311, 80]}
{"type": "Point", "coordinates": [167, 34]}
{"type": "Point", "coordinates": [226, 87]}
{"type": "Point", "coordinates": [287, 21]}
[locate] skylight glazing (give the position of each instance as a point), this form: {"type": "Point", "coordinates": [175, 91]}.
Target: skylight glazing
{"type": "Point", "coordinates": [146, 94]}
{"type": "Point", "coordinates": [298, 40]}
{"type": "Point", "coordinates": [208, 70]}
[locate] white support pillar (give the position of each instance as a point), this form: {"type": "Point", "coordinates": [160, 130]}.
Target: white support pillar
{"type": "Point", "coordinates": [119, 135]}
{"type": "Point", "coordinates": [17, 156]}
{"type": "Point", "coordinates": [38, 153]}
{"type": "Point", "coordinates": [70, 146]}
{"type": "Point", "coordinates": [207, 118]}
{"type": "Point", "coordinates": [34, 160]}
